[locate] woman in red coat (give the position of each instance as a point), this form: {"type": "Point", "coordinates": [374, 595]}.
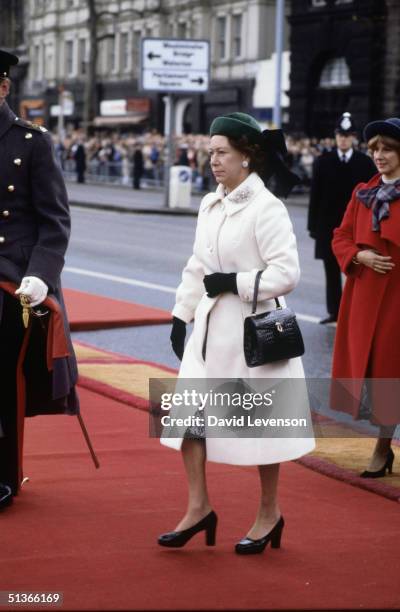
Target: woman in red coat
{"type": "Point", "coordinates": [366, 361]}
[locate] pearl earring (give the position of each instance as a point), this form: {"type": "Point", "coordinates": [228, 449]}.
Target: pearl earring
{"type": "Point", "coordinates": [245, 164]}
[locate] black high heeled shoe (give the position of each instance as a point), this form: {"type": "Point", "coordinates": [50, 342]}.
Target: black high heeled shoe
{"type": "Point", "coordinates": [382, 472]}
{"type": "Point", "coordinates": [176, 539]}
{"type": "Point", "coordinates": [248, 546]}
{"type": "Point", "coordinates": [6, 497]}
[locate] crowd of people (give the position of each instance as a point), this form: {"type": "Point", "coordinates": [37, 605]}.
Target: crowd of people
{"type": "Point", "coordinates": [128, 158]}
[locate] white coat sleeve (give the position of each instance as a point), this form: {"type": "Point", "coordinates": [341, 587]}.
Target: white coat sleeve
{"type": "Point", "coordinates": [277, 246]}
{"type": "Point", "coordinates": [191, 289]}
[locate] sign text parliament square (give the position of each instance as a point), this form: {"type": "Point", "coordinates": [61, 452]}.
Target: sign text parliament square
{"type": "Point", "coordinates": [172, 65]}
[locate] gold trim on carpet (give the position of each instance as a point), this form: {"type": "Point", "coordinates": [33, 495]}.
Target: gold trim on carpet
{"type": "Point", "coordinates": [348, 453]}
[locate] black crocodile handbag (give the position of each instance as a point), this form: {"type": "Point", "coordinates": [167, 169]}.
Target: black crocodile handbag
{"type": "Point", "coordinates": [271, 336]}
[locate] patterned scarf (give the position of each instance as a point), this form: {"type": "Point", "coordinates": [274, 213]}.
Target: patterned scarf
{"type": "Point", "coordinates": [379, 198]}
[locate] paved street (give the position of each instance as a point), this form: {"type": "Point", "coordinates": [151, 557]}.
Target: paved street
{"type": "Point", "coordinates": [125, 198]}
{"type": "Point", "coordinates": [143, 250]}
{"type": "Point", "coordinates": [121, 197]}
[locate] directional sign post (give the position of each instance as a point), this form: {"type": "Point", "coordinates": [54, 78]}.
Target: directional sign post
{"type": "Point", "coordinates": [174, 66]}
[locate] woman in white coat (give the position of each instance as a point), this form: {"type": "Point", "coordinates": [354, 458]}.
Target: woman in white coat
{"type": "Point", "coordinates": [242, 228]}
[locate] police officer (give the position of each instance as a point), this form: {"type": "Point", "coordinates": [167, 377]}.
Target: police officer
{"type": "Point", "coordinates": [34, 234]}
{"type": "Point", "coordinates": [335, 174]}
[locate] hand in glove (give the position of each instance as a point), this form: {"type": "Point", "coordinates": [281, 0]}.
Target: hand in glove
{"type": "Point", "coordinates": [220, 283]}
{"type": "Point", "coordinates": [34, 289]}
{"type": "Point", "coordinates": [178, 334]}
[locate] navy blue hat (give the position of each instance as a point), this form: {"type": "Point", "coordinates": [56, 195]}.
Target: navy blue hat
{"type": "Point", "coordinates": [345, 125]}
{"type": "Point", "coordinates": [385, 127]}
{"type": "Point", "coordinates": [6, 61]}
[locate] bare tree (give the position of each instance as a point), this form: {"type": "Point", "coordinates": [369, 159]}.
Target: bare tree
{"type": "Point", "coordinates": [90, 93]}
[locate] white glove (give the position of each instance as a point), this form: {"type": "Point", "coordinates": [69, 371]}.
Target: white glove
{"type": "Point", "coordinates": [34, 289]}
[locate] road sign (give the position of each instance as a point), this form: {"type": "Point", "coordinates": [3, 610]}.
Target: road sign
{"type": "Point", "coordinates": [174, 65]}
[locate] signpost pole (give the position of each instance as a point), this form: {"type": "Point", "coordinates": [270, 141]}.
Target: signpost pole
{"type": "Point", "coordinates": [60, 124]}
{"type": "Point", "coordinates": [170, 149]}
{"type": "Point", "coordinates": [173, 66]}
{"type": "Point", "coordinates": [279, 24]}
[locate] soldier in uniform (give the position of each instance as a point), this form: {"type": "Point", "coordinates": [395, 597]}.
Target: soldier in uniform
{"type": "Point", "coordinates": [335, 174]}
{"type": "Point", "coordinates": [38, 366]}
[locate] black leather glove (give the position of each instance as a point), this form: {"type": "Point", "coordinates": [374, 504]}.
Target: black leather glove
{"type": "Point", "coordinates": [220, 282]}
{"type": "Point", "coordinates": [178, 334]}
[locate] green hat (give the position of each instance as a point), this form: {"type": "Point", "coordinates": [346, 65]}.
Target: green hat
{"type": "Point", "coordinates": [236, 125]}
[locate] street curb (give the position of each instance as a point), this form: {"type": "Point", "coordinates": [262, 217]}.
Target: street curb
{"type": "Point", "coordinates": [185, 212]}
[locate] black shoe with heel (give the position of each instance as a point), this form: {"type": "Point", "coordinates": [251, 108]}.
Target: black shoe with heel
{"type": "Point", "coordinates": [177, 539]}
{"type": "Point", "coordinates": [6, 496]}
{"type": "Point", "coordinates": [382, 472]}
{"type": "Point", "coordinates": [248, 546]}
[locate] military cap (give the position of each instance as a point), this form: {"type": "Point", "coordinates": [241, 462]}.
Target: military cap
{"type": "Point", "coordinates": [6, 61]}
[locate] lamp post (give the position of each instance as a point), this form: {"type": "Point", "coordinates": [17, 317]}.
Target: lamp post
{"type": "Point", "coordinates": [279, 23]}
{"type": "Point", "coordinates": [60, 123]}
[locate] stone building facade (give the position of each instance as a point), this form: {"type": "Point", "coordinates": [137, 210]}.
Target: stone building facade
{"type": "Point", "coordinates": [345, 56]}
{"type": "Point", "coordinates": [241, 33]}
{"type": "Point", "coordinates": [12, 40]}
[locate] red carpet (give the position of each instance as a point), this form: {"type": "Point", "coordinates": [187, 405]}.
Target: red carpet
{"type": "Point", "coordinates": [88, 311]}
{"type": "Point", "coordinates": [125, 379]}
{"type": "Point", "coordinates": [91, 533]}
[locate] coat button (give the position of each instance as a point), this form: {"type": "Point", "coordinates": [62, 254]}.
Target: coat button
{"type": "Point", "coordinates": [2, 239]}
{"type": "Point", "coordinates": [6, 213]}
{"type": "Point", "coordinates": [17, 161]}
{"type": "Point", "coordinates": [11, 188]}
{"type": "Point", "coordinates": [28, 135]}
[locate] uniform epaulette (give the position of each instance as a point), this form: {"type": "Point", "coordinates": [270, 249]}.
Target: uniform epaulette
{"type": "Point", "coordinates": [28, 125]}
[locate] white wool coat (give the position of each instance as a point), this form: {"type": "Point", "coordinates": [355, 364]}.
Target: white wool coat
{"type": "Point", "coordinates": [243, 232]}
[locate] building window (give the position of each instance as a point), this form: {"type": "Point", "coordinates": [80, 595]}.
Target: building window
{"type": "Point", "coordinates": [221, 37]}
{"type": "Point", "coordinates": [82, 56]}
{"type": "Point", "coordinates": [124, 51]}
{"type": "Point", "coordinates": [136, 49]}
{"type": "Point", "coordinates": [181, 30]}
{"type": "Point", "coordinates": [112, 55]}
{"type": "Point", "coordinates": [49, 61]}
{"type": "Point", "coordinates": [69, 57]}
{"type": "Point", "coordinates": [318, 3]}
{"type": "Point", "coordinates": [196, 28]}
{"type": "Point", "coordinates": [335, 73]}
{"type": "Point", "coordinates": [237, 35]}
{"type": "Point", "coordinates": [36, 62]}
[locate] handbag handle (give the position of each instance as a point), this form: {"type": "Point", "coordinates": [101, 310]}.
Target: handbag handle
{"type": "Point", "coordinates": [255, 294]}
